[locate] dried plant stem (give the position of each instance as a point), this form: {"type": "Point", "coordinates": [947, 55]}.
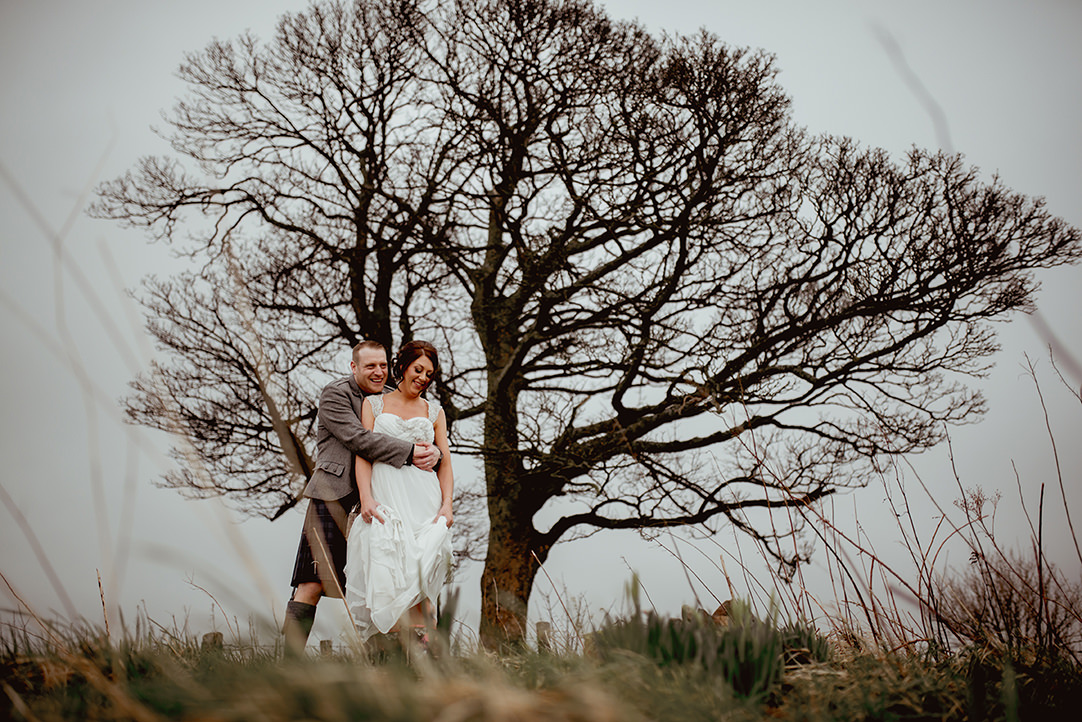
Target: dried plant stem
{"type": "Point", "coordinates": [1055, 456]}
{"type": "Point", "coordinates": [225, 615]}
{"type": "Point", "coordinates": [104, 610]}
{"type": "Point", "coordinates": [578, 632]}
{"type": "Point", "coordinates": [39, 552]}
{"type": "Point", "coordinates": [113, 691]}
{"type": "Point", "coordinates": [641, 586]}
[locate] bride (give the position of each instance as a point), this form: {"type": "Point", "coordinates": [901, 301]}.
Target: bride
{"type": "Point", "coordinates": [398, 557]}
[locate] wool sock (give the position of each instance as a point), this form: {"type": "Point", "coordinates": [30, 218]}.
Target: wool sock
{"type": "Point", "coordinates": [298, 625]}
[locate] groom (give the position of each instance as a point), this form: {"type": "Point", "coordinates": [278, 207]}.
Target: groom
{"type": "Point", "coordinates": [332, 490]}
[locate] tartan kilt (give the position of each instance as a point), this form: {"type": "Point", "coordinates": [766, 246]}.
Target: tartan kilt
{"type": "Point", "coordinates": [322, 546]}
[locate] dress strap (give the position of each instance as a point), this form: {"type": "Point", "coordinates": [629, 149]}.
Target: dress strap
{"type": "Point", "coordinates": [433, 410]}
{"type": "Point", "coordinates": [377, 403]}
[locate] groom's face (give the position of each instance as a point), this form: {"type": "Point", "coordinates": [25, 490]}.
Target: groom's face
{"type": "Point", "coordinates": [370, 370]}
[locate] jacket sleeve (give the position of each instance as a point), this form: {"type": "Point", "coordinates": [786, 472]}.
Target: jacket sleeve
{"type": "Point", "coordinates": [338, 417]}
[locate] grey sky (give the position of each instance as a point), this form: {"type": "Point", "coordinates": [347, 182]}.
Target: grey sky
{"type": "Point", "coordinates": [82, 82]}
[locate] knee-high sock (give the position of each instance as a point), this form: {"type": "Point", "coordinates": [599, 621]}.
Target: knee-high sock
{"type": "Point", "coordinates": [298, 625]}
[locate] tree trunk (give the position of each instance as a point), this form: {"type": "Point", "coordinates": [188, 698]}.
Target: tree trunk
{"type": "Point", "coordinates": [510, 565]}
{"type": "Point", "coordinates": [510, 568]}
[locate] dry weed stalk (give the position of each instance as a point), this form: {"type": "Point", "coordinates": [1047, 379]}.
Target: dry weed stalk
{"type": "Point", "coordinates": [925, 608]}
{"type": "Point", "coordinates": [85, 663]}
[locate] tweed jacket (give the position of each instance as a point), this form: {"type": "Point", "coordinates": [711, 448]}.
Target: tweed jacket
{"type": "Point", "coordinates": [340, 436]}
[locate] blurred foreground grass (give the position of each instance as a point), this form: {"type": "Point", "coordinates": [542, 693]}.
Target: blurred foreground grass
{"type": "Point", "coordinates": [640, 667]}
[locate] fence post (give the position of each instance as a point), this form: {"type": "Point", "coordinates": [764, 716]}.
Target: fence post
{"type": "Point", "coordinates": [544, 637]}
{"type": "Point", "coordinates": [213, 641]}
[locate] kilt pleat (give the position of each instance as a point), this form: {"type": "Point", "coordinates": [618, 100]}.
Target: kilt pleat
{"type": "Point", "coordinates": [321, 553]}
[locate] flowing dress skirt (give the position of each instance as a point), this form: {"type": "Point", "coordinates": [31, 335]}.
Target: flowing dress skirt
{"type": "Point", "coordinates": [393, 566]}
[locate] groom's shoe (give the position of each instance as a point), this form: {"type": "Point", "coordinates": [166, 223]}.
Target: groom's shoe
{"type": "Point", "coordinates": [297, 626]}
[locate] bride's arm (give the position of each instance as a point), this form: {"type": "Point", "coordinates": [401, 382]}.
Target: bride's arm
{"type": "Point", "coordinates": [445, 475]}
{"type": "Point", "coordinates": [363, 469]}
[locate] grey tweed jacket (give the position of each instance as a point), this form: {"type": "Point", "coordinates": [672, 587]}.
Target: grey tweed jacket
{"type": "Point", "coordinates": [340, 436]}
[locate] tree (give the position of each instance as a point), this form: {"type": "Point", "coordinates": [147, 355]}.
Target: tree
{"type": "Point", "coordinates": [661, 302]}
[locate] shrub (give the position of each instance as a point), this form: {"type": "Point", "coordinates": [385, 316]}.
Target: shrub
{"type": "Point", "coordinates": [804, 644]}
{"type": "Point", "coordinates": [748, 654]}
{"type": "Point", "coordinates": [1009, 604]}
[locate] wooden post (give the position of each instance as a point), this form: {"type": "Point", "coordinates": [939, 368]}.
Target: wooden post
{"type": "Point", "coordinates": [589, 646]}
{"type": "Point", "coordinates": [544, 636]}
{"type": "Point", "coordinates": [326, 647]}
{"type": "Point", "coordinates": [213, 641]}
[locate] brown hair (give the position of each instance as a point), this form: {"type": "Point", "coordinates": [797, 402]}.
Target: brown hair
{"type": "Point", "coordinates": [410, 352]}
{"type": "Point", "coordinates": [373, 345]}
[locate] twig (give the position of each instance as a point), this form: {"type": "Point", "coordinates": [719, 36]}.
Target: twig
{"type": "Point", "coordinates": [1055, 456]}
{"type": "Point", "coordinates": [684, 565]}
{"type": "Point", "coordinates": [225, 615]}
{"type": "Point", "coordinates": [104, 611]}
{"type": "Point", "coordinates": [638, 581]}
{"type": "Point", "coordinates": [541, 567]}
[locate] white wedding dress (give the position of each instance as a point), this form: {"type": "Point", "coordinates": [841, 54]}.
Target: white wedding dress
{"type": "Point", "coordinates": [393, 566]}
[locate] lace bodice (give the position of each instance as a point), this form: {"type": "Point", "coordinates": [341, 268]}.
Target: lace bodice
{"type": "Point", "coordinates": [416, 430]}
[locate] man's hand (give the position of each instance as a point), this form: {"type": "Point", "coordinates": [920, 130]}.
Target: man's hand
{"type": "Point", "coordinates": [425, 456]}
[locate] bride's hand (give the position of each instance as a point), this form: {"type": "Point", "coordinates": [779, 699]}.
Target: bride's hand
{"type": "Point", "coordinates": [445, 512]}
{"type": "Point", "coordinates": [370, 511]}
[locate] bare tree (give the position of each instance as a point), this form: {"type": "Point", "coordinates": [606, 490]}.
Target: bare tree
{"type": "Point", "coordinates": [318, 181]}
{"type": "Point", "coordinates": [664, 304]}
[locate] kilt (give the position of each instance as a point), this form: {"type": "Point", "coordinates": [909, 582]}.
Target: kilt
{"type": "Point", "coordinates": [321, 554]}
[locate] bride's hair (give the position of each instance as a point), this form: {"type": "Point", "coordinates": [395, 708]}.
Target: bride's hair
{"type": "Point", "coordinates": [410, 352]}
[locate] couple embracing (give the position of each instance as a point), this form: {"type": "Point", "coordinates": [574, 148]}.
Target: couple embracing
{"type": "Point", "coordinates": [386, 455]}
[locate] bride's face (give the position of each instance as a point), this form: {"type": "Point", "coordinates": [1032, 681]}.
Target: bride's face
{"type": "Point", "coordinates": [417, 376]}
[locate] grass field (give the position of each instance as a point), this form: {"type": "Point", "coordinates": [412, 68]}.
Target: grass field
{"type": "Point", "coordinates": [638, 667]}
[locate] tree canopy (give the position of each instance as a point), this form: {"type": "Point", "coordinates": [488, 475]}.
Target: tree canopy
{"type": "Point", "coordinates": [660, 302]}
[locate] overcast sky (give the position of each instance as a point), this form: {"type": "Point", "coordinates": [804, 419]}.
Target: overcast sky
{"type": "Point", "coordinates": [81, 84]}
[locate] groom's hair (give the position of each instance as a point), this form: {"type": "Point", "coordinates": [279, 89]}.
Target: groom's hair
{"type": "Point", "coordinates": [373, 345]}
